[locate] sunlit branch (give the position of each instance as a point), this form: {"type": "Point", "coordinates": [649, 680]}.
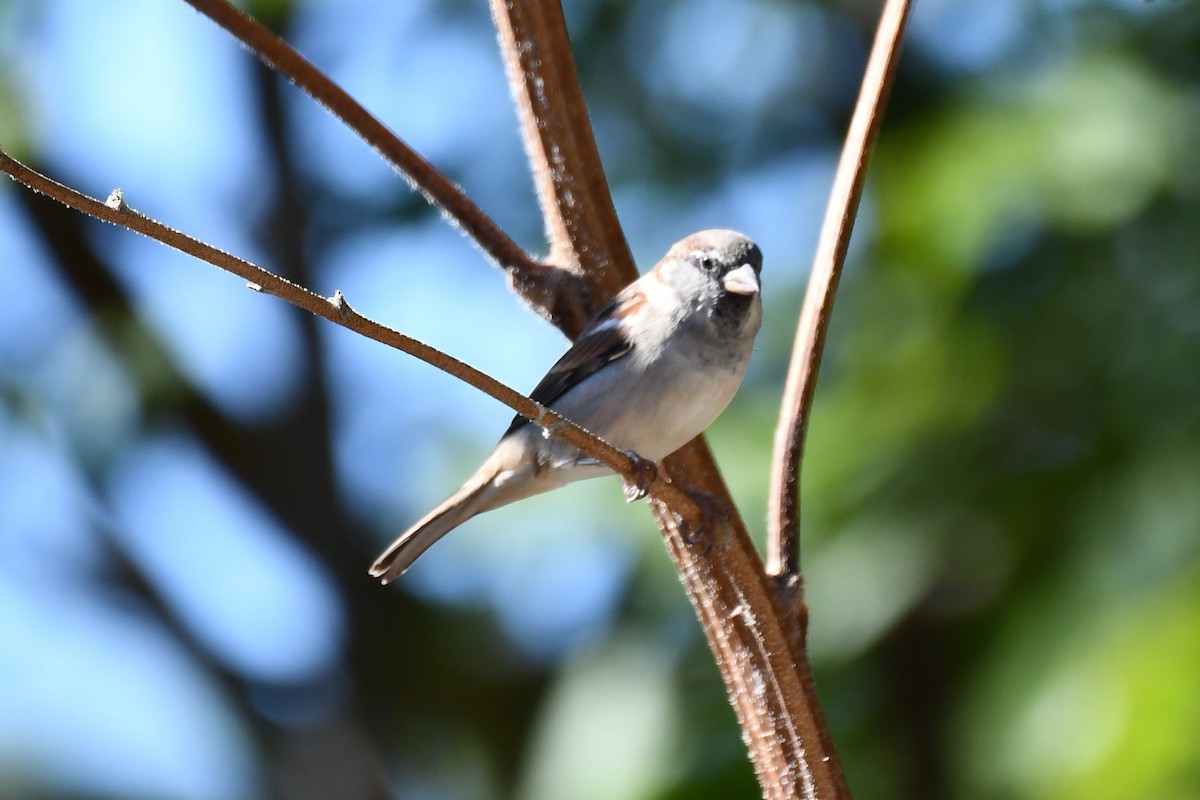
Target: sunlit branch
{"type": "Point", "coordinates": [552, 292]}
{"type": "Point", "coordinates": [337, 310]}
{"type": "Point", "coordinates": [783, 527]}
{"type": "Point", "coordinates": [577, 208]}
{"type": "Point", "coordinates": [757, 642]}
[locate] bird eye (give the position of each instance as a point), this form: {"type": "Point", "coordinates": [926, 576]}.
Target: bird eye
{"type": "Point", "coordinates": [707, 263]}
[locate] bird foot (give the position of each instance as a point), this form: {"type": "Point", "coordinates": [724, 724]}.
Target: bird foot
{"type": "Point", "coordinates": [644, 473]}
{"type": "Point", "coordinates": [713, 508]}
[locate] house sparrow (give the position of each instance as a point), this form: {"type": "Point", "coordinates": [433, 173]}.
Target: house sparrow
{"type": "Point", "coordinates": [647, 375]}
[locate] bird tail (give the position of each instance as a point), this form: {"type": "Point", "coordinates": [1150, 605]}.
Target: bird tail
{"type": "Point", "coordinates": [509, 474]}
{"type": "Point", "coordinates": [459, 507]}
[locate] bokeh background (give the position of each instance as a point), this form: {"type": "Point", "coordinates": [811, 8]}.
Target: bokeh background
{"type": "Point", "coordinates": [1002, 490]}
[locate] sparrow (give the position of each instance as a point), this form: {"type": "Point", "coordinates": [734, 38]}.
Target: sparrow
{"type": "Point", "coordinates": [648, 374]}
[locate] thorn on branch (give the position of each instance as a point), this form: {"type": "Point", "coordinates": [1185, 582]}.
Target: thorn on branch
{"type": "Point", "coordinates": [339, 302]}
{"type": "Point", "coordinates": [116, 200]}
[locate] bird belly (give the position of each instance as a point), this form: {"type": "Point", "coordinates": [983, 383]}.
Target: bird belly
{"type": "Point", "coordinates": [654, 411]}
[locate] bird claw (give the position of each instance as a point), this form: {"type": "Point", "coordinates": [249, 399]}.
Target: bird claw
{"type": "Point", "coordinates": [644, 473]}
{"type": "Point", "coordinates": [713, 508]}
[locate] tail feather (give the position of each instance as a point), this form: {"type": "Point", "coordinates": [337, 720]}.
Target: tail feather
{"type": "Point", "coordinates": [509, 474]}
{"type": "Point", "coordinates": [457, 509]}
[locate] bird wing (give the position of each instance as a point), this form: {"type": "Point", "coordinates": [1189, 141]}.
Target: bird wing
{"type": "Point", "coordinates": [601, 342]}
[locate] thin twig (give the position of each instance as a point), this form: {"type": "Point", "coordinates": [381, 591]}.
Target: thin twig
{"type": "Point", "coordinates": [783, 532]}
{"type": "Point", "coordinates": [552, 292]}
{"type": "Point", "coordinates": [336, 309]}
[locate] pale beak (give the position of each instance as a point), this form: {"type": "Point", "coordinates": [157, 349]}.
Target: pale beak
{"type": "Point", "coordinates": [742, 280]}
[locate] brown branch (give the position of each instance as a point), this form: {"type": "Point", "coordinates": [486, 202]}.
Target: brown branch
{"type": "Point", "coordinates": [757, 642]}
{"type": "Point", "coordinates": [553, 293]}
{"type": "Point", "coordinates": [337, 310]}
{"type": "Point", "coordinates": [756, 639]}
{"type": "Point", "coordinates": [758, 645]}
{"type": "Point", "coordinates": [783, 533]}
{"type": "Point", "coordinates": [581, 222]}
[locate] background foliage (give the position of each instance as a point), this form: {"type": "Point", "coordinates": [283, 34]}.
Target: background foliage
{"type": "Point", "coordinates": [1001, 515]}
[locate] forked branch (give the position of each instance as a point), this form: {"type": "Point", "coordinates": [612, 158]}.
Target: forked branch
{"type": "Point", "coordinates": [756, 641]}
{"type": "Point", "coordinates": [581, 221]}
{"type": "Point", "coordinates": [553, 293]}
{"type": "Point", "coordinates": [752, 627]}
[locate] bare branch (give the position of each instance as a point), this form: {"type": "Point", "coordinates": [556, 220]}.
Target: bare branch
{"type": "Point", "coordinates": [753, 629]}
{"type": "Point", "coordinates": [336, 309]}
{"type": "Point", "coordinates": [783, 537]}
{"type": "Point", "coordinates": [551, 292]}
{"type": "Point", "coordinates": [581, 222]}
{"type": "Point", "coordinates": [758, 645]}
{"type": "Point", "coordinates": [757, 642]}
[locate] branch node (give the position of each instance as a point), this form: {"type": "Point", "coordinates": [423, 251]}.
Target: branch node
{"type": "Point", "coordinates": [254, 287]}
{"type": "Point", "coordinates": [548, 421]}
{"type": "Point", "coordinates": [339, 302]}
{"type": "Point", "coordinates": [116, 200]}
